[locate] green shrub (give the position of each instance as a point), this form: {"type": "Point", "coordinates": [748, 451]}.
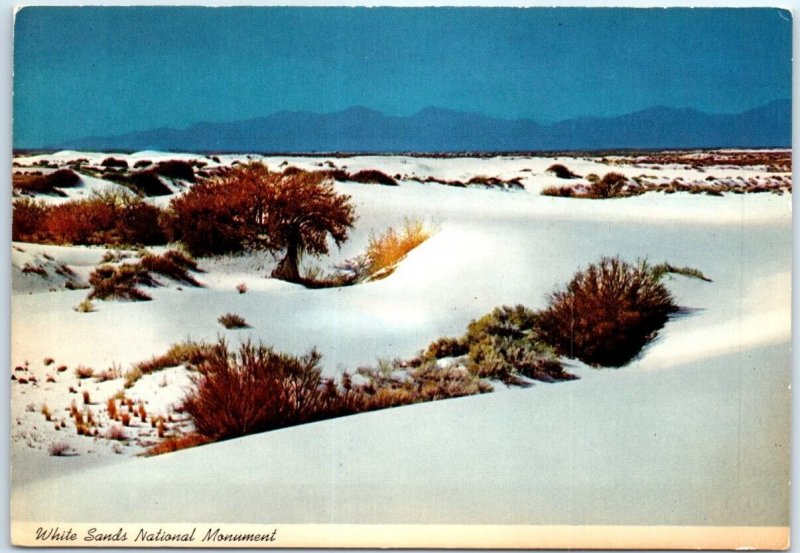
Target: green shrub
{"type": "Point", "coordinates": [504, 345]}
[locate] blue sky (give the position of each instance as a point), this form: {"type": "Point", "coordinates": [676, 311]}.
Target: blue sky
{"type": "Point", "coordinates": [81, 71]}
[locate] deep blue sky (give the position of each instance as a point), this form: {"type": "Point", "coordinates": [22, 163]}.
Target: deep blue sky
{"type": "Point", "coordinates": [106, 71]}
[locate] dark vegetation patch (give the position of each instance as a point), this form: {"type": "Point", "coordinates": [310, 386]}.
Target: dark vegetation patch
{"type": "Point", "coordinates": [772, 161]}
{"type": "Point", "coordinates": [103, 219]}
{"type": "Point", "coordinates": [37, 183]}
{"type": "Point", "coordinates": [233, 321]}
{"type": "Point", "coordinates": [562, 172]}
{"type": "Point", "coordinates": [114, 162]}
{"type": "Point", "coordinates": [479, 180]}
{"type": "Point", "coordinates": [122, 281]}
{"type": "Point", "coordinates": [616, 185]}
{"type": "Point", "coordinates": [609, 311]}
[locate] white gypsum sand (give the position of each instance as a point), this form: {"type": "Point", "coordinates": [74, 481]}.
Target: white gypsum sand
{"type": "Point", "coordinates": [694, 431]}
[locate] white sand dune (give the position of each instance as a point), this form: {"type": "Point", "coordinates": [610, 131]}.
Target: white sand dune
{"type": "Point", "coordinates": [695, 431]}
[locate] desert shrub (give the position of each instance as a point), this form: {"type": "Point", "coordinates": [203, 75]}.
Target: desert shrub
{"type": "Point", "coordinates": [386, 250]}
{"type": "Point", "coordinates": [559, 191]}
{"type": "Point", "coordinates": [241, 287]}
{"type": "Point", "coordinates": [36, 183]}
{"type": "Point", "coordinates": [63, 178]}
{"type": "Point", "coordinates": [446, 347]}
{"type": "Point", "coordinates": [147, 183]}
{"type": "Point", "coordinates": [609, 186]}
{"type": "Point", "coordinates": [372, 176]}
{"type": "Point", "coordinates": [116, 432]}
{"type": "Point", "coordinates": [417, 385]}
{"type": "Point", "coordinates": [59, 449]}
{"type": "Point", "coordinates": [561, 171]}
{"type": "Point", "coordinates": [250, 207]}
{"type": "Point", "coordinates": [120, 282]}
{"type": "Point", "coordinates": [232, 321]}
{"type": "Point", "coordinates": [142, 163]}
{"type": "Point", "coordinates": [184, 353]}
{"type": "Point", "coordinates": [607, 313]}
{"type": "Point", "coordinates": [175, 169]}
{"type": "Point", "coordinates": [505, 344]}
{"type": "Point", "coordinates": [85, 306]}
{"type": "Point", "coordinates": [110, 218]}
{"type": "Point", "coordinates": [662, 269]}
{"type": "Point", "coordinates": [26, 220]}
{"type": "Point", "coordinates": [254, 389]}
{"type": "Point", "coordinates": [114, 162]}
{"type": "Point", "coordinates": [171, 264]}
{"type": "Point", "coordinates": [83, 372]}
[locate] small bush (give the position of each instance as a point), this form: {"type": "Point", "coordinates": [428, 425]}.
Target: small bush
{"type": "Point", "coordinates": [372, 176]}
{"type": "Point", "coordinates": [254, 390]}
{"type": "Point", "coordinates": [86, 306]}
{"type": "Point", "coordinates": [609, 186]}
{"type": "Point", "coordinates": [172, 264]}
{"type": "Point", "coordinates": [45, 184]}
{"type": "Point", "coordinates": [142, 163]}
{"type": "Point", "coordinates": [83, 372]}
{"type": "Point", "coordinates": [233, 321]}
{"type": "Point", "coordinates": [183, 353]}
{"type": "Point", "coordinates": [119, 282]}
{"type": "Point", "coordinates": [110, 219]}
{"type": "Point", "coordinates": [241, 287]}
{"type": "Point", "coordinates": [505, 344]}
{"type": "Point", "coordinates": [559, 191]}
{"type": "Point", "coordinates": [114, 162]}
{"type": "Point", "coordinates": [385, 251]}
{"type": "Point", "coordinates": [446, 347]}
{"type": "Point", "coordinates": [607, 313]}
{"type": "Point", "coordinates": [59, 449]}
{"type": "Point", "coordinates": [147, 183]}
{"type": "Point", "coordinates": [562, 171]}
{"type": "Point", "coordinates": [111, 407]}
{"type": "Point", "coordinates": [175, 169]}
{"type": "Point", "coordinates": [116, 432]}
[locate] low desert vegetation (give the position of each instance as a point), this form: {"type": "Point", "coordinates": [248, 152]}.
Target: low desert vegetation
{"type": "Point", "coordinates": [386, 250]}
{"type": "Point", "coordinates": [608, 312]}
{"type": "Point", "coordinates": [122, 281]}
{"type": "Point", "coordinates": [562, 171]}
{"type": "Point", "coordinates": [232, 321]}
{"type": "Point", "coordinates": [111, 219]}
{"type": "Point", "coordinates": [37, 183]}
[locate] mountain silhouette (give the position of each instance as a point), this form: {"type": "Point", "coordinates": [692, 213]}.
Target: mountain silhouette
{"type": "Point", "coordinates": [359, 129]}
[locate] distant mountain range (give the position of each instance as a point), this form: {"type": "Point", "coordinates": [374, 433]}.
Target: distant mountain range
{"type": "Point", "coordinates": [360, 129]}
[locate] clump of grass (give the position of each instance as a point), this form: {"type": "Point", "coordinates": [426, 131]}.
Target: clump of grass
{"type": "Point", "coordinates": [59, 449]}
{"type": "Point", "coordinates": [111, 373]}
{"type": "Point", "coordinates": [372, 176]}
{"type": "Point", "coordinates": [559, 191]}
{"type": "Point", "coordinates": [177, 443]}
{"type": "Point", "coordinates": [86, 397]}
{"type": "Point", "coordinates": [48, 415]}
{"type": "Point", "coordinates": [111, 407]}
{"type": "Point", "coordinates": [125, 418]}
{"type": "Point", "coordinates": [83, 372]}
{"type": "Point", "coordinates": [385, 251]}
{"type": "Point", "coordinates": [241, 287]}
{"type": "Point", "coordinates": [86, 306]}
{"type": "Point", "coordinates": [666, 268]}
{"type": "Point", "coordinates": [183, 353]}
{"type": "Point", "coordinates": [48, 361]}
{"type": "Point", "coordinates": [233, 321]}
{"type": "Point", "coordinates": [171, 264]}
{"type": "Point", "coordinates": [116, 432]}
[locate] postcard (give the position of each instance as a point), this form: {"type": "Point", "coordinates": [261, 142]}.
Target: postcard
{"type": "Point", "coordinates": [418, 277]}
